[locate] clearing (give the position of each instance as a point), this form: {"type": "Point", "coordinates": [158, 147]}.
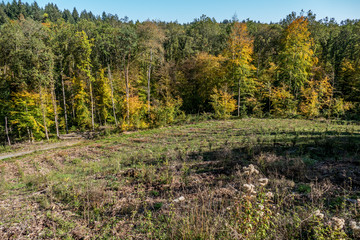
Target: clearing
{"type": "Point", "coordinates": [189, 182]}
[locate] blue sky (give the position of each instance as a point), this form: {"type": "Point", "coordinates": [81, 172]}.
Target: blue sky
{"type": "Point", "coordinates": [186, 10]}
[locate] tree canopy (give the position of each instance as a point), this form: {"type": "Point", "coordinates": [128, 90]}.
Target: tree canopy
{"type": "Point", "coordinates": [68, 70]}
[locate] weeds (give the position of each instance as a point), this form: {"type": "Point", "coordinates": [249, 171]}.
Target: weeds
{"type": "Point", "coordinates": [235, 179]}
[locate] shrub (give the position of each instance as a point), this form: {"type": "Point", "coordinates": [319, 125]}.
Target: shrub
{"type": "Point", "coordinates": [223, 103]}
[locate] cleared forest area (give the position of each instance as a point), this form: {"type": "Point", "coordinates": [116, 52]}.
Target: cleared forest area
{"type": "Point", "coordinates": [244, 179]}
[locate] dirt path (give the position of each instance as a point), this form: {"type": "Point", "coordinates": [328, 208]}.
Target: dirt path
{"type": "Point", "coordinates": [40, 148]}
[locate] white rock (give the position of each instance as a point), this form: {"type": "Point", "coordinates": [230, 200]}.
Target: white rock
{"type": "Point", "coordinates": [180, 199]}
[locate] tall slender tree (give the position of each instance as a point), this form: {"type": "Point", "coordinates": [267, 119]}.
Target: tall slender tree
{"type": "Point", "coordinates": [151, 39]}
{"type": "Point", "coordinates": [239, 53]}
{"type": "Point", "coordinates": [297, 55]}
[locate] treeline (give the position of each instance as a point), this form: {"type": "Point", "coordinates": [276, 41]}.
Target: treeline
{"type": "Point", "coordinates": [62, 71]}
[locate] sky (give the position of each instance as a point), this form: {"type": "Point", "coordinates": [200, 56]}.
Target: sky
{"type": "Point", "coordinates": [185, 11]}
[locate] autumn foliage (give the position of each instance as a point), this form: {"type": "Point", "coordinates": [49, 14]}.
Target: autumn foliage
{"type": "Point", "coordinates": [60, 74]}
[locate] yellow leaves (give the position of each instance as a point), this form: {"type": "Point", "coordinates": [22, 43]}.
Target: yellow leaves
{"type": "Point", "coordinates": [239, 41]}
{"type": "Point", "coordinates": [325, 89]}
{"type": "Point", "coordinates": [310, 105]}
{"type": "Point", "coordinates": [26, 112]}
{"type": "Point", "coordinates": [240, 47]}
{"type": "Point", "coordinates": [297, 54]}
{"type": "Point", "coordinates": [339, 107]}
{"type": "Point", "coordinates": [298, 28]}
{"type": "Point", "coordinates": [239, 55]}
{"type": "Point", "coordinates": [316, 97]}
{"type": "Point", "coordinates": [81, 101]}
{"type": "Point", "coordinates": [103, 94]}
{"type": "Point", "coordinates": [209, 66]}
{"type": "Point", "coordinates": [137, 112]}
{"type": "Point", "coordinates": [282, 101]}
{"type": "Point", "coordinates": [209, 59]}
{"type": "Point", "coordinates": [84, 47]}
{"type": "Point", "coordinates": [135, 106]}
{"type": "Point", "coordinates": [223, 103]}
{"type": "Point", "coordinates": [347, 66]}
{"type": "Point", "coordinates": [46, 24]}
{"type": "Point", "coordinates": [281, 93]}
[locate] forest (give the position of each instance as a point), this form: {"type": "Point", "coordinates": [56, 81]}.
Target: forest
{"type": "Point", "coordinates": [64, 71]}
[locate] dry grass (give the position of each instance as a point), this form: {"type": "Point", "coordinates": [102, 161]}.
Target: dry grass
{"type": "Point", "coordinates": [187, 182]}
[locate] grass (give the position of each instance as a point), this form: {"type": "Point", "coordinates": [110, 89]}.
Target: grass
{"type": "Point", "coordinates": [187, 182]}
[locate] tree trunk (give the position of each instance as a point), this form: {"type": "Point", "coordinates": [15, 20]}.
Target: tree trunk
{"type": "Point", "coordinates": [258, 66]}
{"type": "Point", "coordinates": [99, 116]}
{"type": "Point", "coordinates": [28, 129]}
{"type": "Point", "coordinates": [332, 84]}
{"type": "Point", "coordinates": [269, 103]}
{"type": "Point", "coordinates": [73, 108]}
{"type": "Point", "coordinates": [92, 105]}
{"type": "Point", "coordinates": [239, 99]}
{"type": "Point", "coordinates": [291, 88]}
{"type": "Point", "coordinates": [43, 114]}
{"type": "Point", "coordinates": [149, 75]}
{"type": "Point", "coordinates": [7, 131]}
{"type": "Point", "coordinates": [64, 101]}
{"type": "Point", "coordinates": [32, 135]}
{"type": "Point", "coordinates": [112, 94]}
{"type": "Point", "coordinates": [53, 98]}
{"type": "Point", "coordinates": [29, 135]}
{"type": "Point", "coordinates": [127, 90]}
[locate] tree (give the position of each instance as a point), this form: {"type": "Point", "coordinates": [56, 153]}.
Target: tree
{"type": "Point", "coordinates": [151, 48]}
{"type": "Point", "coordinates": [80, 98]}
{"type": "Point", "coordinates": [103, 95]}
{"type": "Point", "coordinates": [239, 53]}
{"type": "Point", "coordinates": [105, 47]}
{"type": "Point", "coordinates": [36, 12]}
{"type": "Point", "coordinates": [66, 15]}
{"type": "Point", "coordinates": [84, 48]}
{"type": "Point", "coordinates": [61, 43]}
{"type": "Point", "coordinates": [3, 17]}
{"type": "Point", "coordinates": [199, 76]}
{"type": "Point", "coordinates": [53, 12]}
{"type": "Point", "coordinates": [174, 42]}
{"type": "Point", "coordinates": [41, 64]}
{"type": "Point", "coordinates": [29, 60]}
{"type": "Point", "coordinates": [296, 57]}
{"type": "Point", "coordinates": [223, 103]}
{"type": "Point", "coordinates": [316, 97]}
{"type": "Point", "coordinates": [126, 43]}
{"type": "Point", "coordinates": [75, 15]}
{"type": "Point", "coordinates": [26, 114]}
{"type": "Point", "coordinates": [206, 35]}
{"type": "Point", "coordinates": [282, 101]}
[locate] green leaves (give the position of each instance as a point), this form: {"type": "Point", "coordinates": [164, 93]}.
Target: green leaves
{"type": "Point", "coordinates": [297, 58]}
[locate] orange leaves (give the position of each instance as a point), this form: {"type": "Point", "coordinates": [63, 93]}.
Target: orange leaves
{"type": "Point", "coordinates": [46, 24]}
{"type": "Point", "coordinates": [240, 46]}
{"type": "Point", "coordinates": [298, 29]}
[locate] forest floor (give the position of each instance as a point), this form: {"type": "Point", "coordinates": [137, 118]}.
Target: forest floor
{"type": "Point", "coordinates": [190, 182]}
